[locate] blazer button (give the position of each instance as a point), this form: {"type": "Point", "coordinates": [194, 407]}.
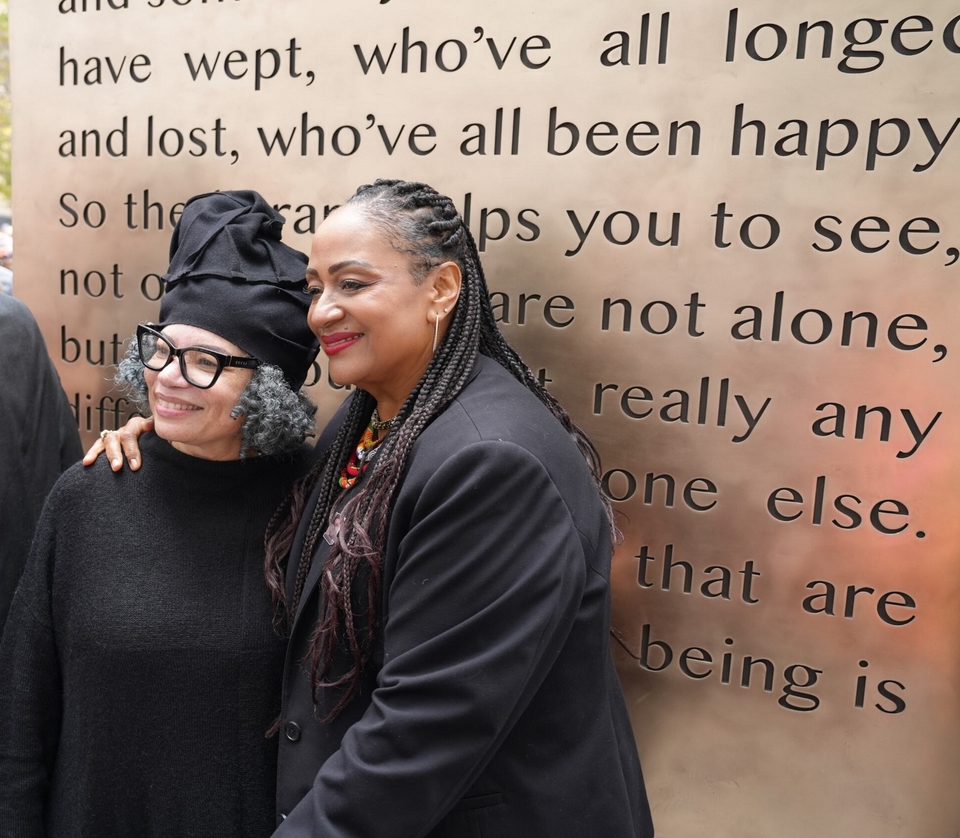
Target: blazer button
{"type": "Point", "coordinates": [281, 818]}
{"type": "Point", "coordinates": [292, 731]}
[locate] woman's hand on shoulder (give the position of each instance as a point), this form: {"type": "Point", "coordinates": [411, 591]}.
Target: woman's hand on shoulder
{"type": "Point", "coordinates": [121, 445]}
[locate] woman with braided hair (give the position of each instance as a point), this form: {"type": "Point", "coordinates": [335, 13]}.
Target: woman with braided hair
{"type": "Point", "coordinates": [443, 570]}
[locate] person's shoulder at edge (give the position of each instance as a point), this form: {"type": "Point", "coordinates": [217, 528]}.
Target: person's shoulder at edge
{"type": "Point", "coordinates": [16, 314]}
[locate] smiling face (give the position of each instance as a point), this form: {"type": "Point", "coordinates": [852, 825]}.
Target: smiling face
{"type": "Point", "coordinates": [374, 321]}
{"type": "Point", "coordinates": [195, 421]}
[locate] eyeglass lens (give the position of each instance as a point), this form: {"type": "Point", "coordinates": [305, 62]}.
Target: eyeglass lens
{"type": "Point", "coordinates": [200, 368]}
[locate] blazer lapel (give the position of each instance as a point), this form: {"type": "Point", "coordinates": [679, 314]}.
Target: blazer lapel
{"type": "Point", "coordinates": [313, 577]}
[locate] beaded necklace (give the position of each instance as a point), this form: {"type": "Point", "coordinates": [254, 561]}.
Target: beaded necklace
{"type": "Point", "coordinates": [360, 456]}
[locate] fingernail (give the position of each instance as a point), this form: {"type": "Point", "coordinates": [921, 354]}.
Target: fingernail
{"type": "Point", "coordinates": [134, 463]}
{"type": "Point", "coordinates": [115, 463]}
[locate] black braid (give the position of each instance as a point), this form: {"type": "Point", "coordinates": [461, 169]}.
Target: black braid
{"type": "Point", "coordinates": [426, 225]}
{"type": "Point", "coordinates": [326, 474]}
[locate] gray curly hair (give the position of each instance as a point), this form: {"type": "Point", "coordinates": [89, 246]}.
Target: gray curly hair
{"type": "Point", "coordinates": [277, 419]}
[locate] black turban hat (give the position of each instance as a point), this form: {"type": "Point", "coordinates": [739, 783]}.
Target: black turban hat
{"type": "Point", "coordinates": [231, 275]}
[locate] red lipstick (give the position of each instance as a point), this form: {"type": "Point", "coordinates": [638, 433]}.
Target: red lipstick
{"type": "Point", "coordinates": [339, 341]}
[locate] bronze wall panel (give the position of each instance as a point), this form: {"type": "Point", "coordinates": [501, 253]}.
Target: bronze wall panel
{"type": "Point", "coordinates": [720, 758]}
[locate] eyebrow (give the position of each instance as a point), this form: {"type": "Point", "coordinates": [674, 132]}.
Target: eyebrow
{"type": "Point", "coordinates": [338, 266]}
{"type": "Point", "coordinates": [219, 350]}
{"type": "Point", "coordinates": [349, 263]}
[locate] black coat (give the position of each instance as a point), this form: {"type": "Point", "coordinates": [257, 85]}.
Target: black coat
{"type": "Point", "coordinates": [491, 707]}
{"type": "Point", "coordinates": [40, 438]}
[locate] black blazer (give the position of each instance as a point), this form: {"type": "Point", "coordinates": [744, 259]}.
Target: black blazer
{"type": "Point", "coordinates": [491, 706]}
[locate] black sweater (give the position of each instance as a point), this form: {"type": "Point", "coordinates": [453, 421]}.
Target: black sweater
{"type": "Point", "coordinates": [139, 670]}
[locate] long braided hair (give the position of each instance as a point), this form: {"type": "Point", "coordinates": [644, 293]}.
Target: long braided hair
{"type": "Point", "coordinates": [425, 225]}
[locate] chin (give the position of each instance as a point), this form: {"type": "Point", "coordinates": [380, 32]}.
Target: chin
{"type": "Point", "coordinates": [340, 374]}
{"type": "Point", "coordinates": [165, 429]}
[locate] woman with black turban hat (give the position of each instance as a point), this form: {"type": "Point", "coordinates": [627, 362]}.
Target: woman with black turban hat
{"type": "Point", "coordinates": [139, 668]}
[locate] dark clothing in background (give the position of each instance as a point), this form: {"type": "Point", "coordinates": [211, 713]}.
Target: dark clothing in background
{"type": "Point", "coordinates": [39, 438]}
{"type": "Point", "coordinates": [140, 671]}
{"type": "Point", "coordinates": [490, 706]}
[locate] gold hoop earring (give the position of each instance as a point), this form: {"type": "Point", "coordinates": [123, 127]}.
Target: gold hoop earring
{"type": "Point", "coordinates": [436, 330]}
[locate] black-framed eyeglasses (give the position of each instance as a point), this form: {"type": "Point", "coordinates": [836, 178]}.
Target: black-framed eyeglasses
{"type": "Point", "coordinates": [200, 367]}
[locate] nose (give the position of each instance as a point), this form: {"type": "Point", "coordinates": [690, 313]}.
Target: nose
{"type": "Point", "coordinates": [172, 376]}
{"type": "Point", "coordinates": [324, 310]}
